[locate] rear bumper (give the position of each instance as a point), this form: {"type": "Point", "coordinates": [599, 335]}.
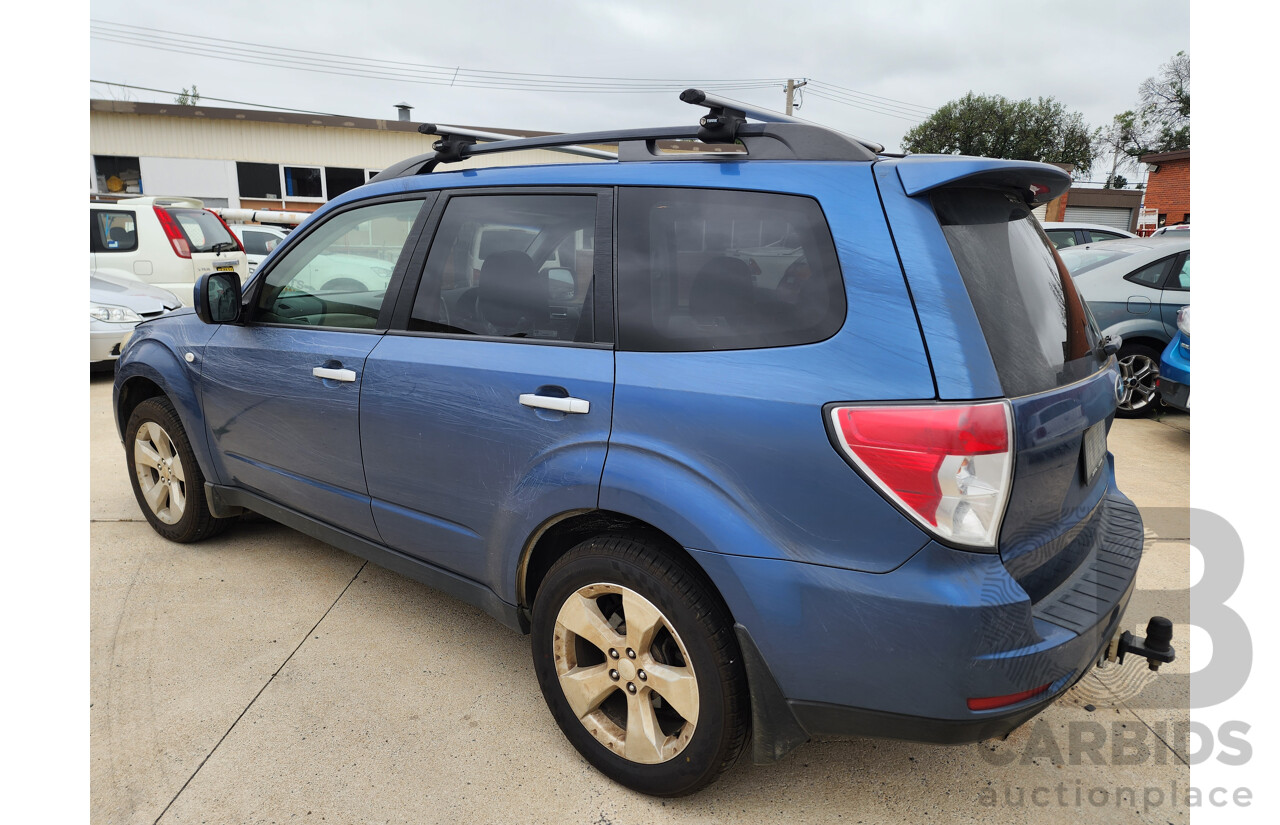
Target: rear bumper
{"type": "Point", "coordinates": [1175, 394]}
{"type": "Point", "coordinates": [899, 654]}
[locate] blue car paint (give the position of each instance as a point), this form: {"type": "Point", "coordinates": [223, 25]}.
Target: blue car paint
{"type": "Point", "coordinates": [1175, 361]}
{"type": "Point", "coordinates": [829, 593]}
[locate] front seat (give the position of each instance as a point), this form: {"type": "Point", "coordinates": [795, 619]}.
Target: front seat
{"type": "Point", "coordinates": [513, 298]}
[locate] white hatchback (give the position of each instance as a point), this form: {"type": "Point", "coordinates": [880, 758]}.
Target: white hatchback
{"type": "Point", "coordinates": [165, 242]}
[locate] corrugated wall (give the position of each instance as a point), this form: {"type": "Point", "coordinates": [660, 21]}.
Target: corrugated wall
{"type": "Point", "coordinates": [112, 133]}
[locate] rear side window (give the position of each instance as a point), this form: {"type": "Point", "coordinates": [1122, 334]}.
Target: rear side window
{"type": "Point", "coordinates": [112, 231]}
{"type": "Point", "coordinates": [258, 243]}
{"type": "Point", "coordinates": [204, 231]}
{"type": "Point", "coordinates": [702, 269]}
{"type": "Point", "coordinates": [1036, 327]}
{"type": "Point", "coordinates": [511, 266]}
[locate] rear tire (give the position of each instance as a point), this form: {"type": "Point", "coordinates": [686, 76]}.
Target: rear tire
{"type": "Point", "coordinates": [166, 479]}
{"type": "Point", "coordinates": [638, 662]}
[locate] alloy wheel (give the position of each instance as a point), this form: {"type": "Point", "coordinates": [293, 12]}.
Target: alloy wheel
{"type": "Point", "coordinates": [625, 673]}
{"type": "Point", "coordinates": [160, 473]}
{"type": "Point", "coordinates": [1139, 374]}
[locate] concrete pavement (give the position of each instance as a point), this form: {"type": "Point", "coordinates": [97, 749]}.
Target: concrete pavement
{"type": "Point", "coordinates": [264, 677]}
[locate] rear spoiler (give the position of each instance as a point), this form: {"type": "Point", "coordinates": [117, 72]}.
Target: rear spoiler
{"type": "Point", "coordinates": [1038, 182]}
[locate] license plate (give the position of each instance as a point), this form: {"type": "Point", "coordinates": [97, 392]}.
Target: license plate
{"type": "Point", "coordinates": [1095, 449]}
{"type": "Point", "coordinates": [228, 268]}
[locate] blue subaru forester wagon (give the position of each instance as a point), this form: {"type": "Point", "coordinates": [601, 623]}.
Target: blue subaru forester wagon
{"type": "Point", "coordinates": [789, 439]}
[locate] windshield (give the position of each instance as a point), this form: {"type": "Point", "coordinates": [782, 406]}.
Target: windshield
{"type": "Point", "coordinates": [204, 231]}
{"type": "Point", "coordinates": [1033, 319]}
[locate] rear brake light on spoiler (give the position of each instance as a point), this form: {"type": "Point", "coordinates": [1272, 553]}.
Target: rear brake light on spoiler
{"type": "Point", "coordinates": [947, 466]}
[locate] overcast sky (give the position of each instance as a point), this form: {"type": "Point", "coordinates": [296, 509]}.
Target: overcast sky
{"type": "Point", "coordinates": [875, 70]}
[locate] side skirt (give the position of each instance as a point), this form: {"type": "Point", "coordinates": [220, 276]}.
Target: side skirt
{"type": "Point", "coordinates": [229, 501]}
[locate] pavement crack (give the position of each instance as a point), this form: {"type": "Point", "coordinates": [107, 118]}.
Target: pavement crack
{"type": "Point", "coordinates": [214, 749]}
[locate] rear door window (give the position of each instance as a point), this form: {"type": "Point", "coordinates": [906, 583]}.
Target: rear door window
{"type": "Point", "coordinates": [702, 269]}
{"type": "Point", "coordinates": [1037, 330]}
{"type": "Point", "coordinates": [512, 266]}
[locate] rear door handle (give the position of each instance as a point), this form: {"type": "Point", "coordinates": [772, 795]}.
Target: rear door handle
{"type": "Point", "coordinates": [550, 402]}
{"type": "Point", "coordinates": [333, 374]}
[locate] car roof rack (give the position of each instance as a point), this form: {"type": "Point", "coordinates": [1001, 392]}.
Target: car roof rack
{"type": "Point", "coordinates": [778, 137]}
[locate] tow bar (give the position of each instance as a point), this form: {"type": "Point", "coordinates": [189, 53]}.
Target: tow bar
{"type": "Point", "coordinates": [1155, 648]}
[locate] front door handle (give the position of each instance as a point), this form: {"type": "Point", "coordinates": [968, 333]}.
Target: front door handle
{"type": "Point", "coordinates": [551, 402]}
{"type": "Point", "coordinates": [333, 374]}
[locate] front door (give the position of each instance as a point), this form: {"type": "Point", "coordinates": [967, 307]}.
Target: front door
{"type": "Point", "coordinates": [283, 390]}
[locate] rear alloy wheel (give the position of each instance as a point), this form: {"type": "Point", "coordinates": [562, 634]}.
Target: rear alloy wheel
{"type": "Point", "coordinates": [166, 479]}
{"type": "Point", "coordinates": [639, 665]}
{"type": "Point", "coordinates": [1139, 372]}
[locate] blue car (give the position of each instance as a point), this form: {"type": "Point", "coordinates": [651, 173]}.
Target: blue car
{"type": "Point", "coordinates": [1175, 366]}
{"type": "Point", "coordinates": [792, 440]}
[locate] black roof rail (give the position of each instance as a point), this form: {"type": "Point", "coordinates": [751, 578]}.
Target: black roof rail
{"type": "Point", "coordinates": [780, 138]}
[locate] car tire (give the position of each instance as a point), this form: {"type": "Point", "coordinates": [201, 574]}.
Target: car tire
{"type": "Point", "coordinates": [604, 687]}
{"type": "Point", "coordinates": [166, 478]}
{"type": "Point", "coordinates": [1139, 370]}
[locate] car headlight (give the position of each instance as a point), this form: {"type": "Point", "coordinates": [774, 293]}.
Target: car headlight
{"type": "Point", "coordinates": [1184, 321]}
{"type": "Point", "coordinates": [113, 314]}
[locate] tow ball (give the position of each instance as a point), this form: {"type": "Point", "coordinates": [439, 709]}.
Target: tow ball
{"type": "Point", "coordinates": [1155, 648]}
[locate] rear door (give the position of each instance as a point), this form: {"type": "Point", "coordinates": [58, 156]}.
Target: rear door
{"type": "Point", "coordinates": [486, 409]}
{"type": "Point", "coordinates": [283, 390]}
{"type": "Point", "coordinates": [1176, 292]}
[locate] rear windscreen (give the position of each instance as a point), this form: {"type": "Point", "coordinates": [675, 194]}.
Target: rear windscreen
{"type": "Point", "coordinates": [203, 230]}
{"type": "Point", "coordinates": [1037, 330]}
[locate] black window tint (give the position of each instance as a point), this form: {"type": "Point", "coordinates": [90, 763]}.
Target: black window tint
{"type": "Point", "coordinates": [1150, 275]}
{"type": "Point", "coordinates": [702, 269]}
{"type": "Point", "coordinates": [517, 266]}
{"type": "Point", "coordinates": [112, 231]}
{"type": "Point", "coordinates": [1031, 315]}
{"type": "Point", "coordinates": [258, 180]}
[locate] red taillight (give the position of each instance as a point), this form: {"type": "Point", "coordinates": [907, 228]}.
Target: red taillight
{"type": "Point", "coordinates": [948, 465]}
{"type": "Point", "coordinates": [173, 232]}
{"type": "Point", "coordinates": [992, 702]}
{"type": "Point", "coordinates": [233, 235]}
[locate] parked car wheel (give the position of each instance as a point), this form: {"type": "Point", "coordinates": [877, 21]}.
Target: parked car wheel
{"type": "Point", "coordinates": [166, 478]}
{"type": "Point", "coordinates": [638, 662]}
{"type": "Point", "coordinates": [1140, 370]}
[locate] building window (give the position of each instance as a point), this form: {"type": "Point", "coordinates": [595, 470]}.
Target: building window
{"type": "Point", "coordinates": [258, 180]}
{"type": "Point", "coordinates": [117, 175]}
{"type": "Point", "coordinates": [338, 179]}
{"type": "Point", "coordinates": [303, 182]}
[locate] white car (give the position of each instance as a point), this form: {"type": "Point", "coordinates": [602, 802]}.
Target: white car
{"type": "Point", "coordinates": [1070, 233]}
{"type": "Point", "coordinates": [165, 242]}
{"type": "Point", "coordinates": [116, 305]}
{"type": "Point", "coordinates": [258, 241]}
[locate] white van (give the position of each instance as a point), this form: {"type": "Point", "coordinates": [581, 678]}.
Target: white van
{"type": "Point", "coordinates": [166, 242]}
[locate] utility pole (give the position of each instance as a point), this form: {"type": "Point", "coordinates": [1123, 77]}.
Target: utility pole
{"type": "Point", "coordinates": [791, 92]}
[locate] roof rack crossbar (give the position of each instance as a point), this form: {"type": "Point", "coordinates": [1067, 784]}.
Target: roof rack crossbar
{"type": "Point", "coordinates": [724, 109]}
{"type": "Point", "coordinates": [780, 137]}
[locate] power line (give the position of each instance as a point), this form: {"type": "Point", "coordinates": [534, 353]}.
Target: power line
{"type": "Point", "coordinates": [819, 94]}
{"type": "Point", "coordinates": [926, 109]}
{"type": "Point", "coordinates": [219, 99]}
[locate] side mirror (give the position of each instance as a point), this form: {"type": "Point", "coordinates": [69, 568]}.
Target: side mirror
{"type": "Point", "coordinates": [217, 296]}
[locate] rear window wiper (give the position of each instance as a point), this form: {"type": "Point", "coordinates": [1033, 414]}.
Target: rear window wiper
{"type": "Point", "coordinates": [225, 246]}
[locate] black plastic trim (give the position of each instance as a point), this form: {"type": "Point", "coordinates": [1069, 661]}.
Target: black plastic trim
{"type": "Point", "coordinates": [774, 729]}
{"type": "Point", "coordinates": [223, 499]}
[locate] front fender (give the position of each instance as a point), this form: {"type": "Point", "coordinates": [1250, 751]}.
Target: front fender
{"type": "Point", "coordinates": [156, 353]}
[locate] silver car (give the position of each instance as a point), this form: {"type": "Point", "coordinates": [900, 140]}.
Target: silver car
{"type": "Point", "coordinates": [1134, 288]}
{"type": "Point", "coordinates": [116, 305]}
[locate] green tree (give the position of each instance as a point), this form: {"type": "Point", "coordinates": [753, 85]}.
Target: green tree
{"type": "Point", "coordinates": [188, 98]}
{"type": "Point", "coordinates": [995, 127]}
